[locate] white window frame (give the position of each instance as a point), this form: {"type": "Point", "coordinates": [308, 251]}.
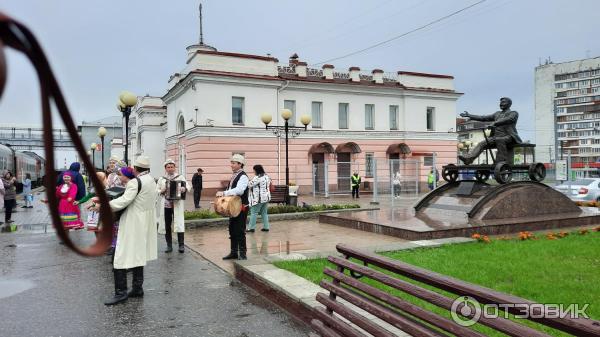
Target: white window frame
{"type": "Point", "coordinates": [243, 100]}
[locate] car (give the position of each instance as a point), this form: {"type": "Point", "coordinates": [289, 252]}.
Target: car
{"type": "Point", "coordinates": [585, 189]}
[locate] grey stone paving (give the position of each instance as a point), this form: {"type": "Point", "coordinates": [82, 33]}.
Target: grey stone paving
{"type": "Point", "coordinates": [46, 290]}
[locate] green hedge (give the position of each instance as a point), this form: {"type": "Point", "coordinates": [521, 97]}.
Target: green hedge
{"type": "Point", "coordinates": [280, 209]}
{"type": "Point", "coordinates": [201, 214]}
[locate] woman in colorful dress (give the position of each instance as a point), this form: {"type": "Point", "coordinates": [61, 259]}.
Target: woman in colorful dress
{"type": "Point", "coordinates": [69, 213]}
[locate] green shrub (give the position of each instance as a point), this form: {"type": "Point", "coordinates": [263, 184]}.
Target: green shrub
{"type": "Point", "coordinates": [201, 214]}
{"type": "Point", "coordinates": [275, 209]}
{"type": "Point", "coordinates": [312, 208]}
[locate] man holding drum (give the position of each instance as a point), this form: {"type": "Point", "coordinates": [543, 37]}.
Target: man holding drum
{"type": "Point", "coordinates": [238, 185]}
{"type": "Point", "coordinates": [171, 189]}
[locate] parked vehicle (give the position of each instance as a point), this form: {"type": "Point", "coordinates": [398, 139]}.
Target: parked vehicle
{"type": "Point", "coordinates": [20, 163]}
{"type": "Point", "coordinates": [586, 189]}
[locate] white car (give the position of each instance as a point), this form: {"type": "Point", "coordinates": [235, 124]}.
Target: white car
{"type": "Point", "coordinates": [585, 189]}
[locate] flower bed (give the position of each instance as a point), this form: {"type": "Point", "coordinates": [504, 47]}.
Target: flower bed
{"type": "Point", "coordinates": [587, 203]}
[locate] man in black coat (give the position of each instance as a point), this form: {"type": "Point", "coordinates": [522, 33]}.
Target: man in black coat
{"type": "Point", "coordinates": [504, 133]}
{"type": "Point", "coordinates": [197, 185]}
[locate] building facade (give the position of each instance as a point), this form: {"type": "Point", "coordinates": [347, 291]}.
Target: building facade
{"type": "Point", "coordinates": [567, 111]}
{"type": "Point", "coordinates": [469, 135]}
{"type": "Point", "coordinates": [147, 127]}
{"type": "Point", "coordinates": [89, 135]}
{"type": "Point", "coordinates": [213, 109]}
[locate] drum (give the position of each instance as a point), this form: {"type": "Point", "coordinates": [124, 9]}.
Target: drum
{"type": "Point", "coordinates": [115, 192]}
{"type": "Point", "coordinates": [230, 206]}
{"type": "Point", "coordinates": [174, 190]}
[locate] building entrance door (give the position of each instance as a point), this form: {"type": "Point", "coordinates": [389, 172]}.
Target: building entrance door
{"type": "Point", "coordinates": [344, 166]}
{"type": "Point", "coordinates": [318, 160]}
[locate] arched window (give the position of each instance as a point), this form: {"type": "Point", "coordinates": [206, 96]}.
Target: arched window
{"type": "Point", "coordinates": [180, 125]}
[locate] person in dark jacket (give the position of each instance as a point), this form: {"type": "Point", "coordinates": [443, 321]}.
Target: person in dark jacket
{"type": "Point", "coordinates": [77, 180]}
{"type": "Point", "coordinates": [10, 194]}
{"type": "Point", "coordinates": [504, 133]}
{"type": "Point", "coordinates": [197, 186]}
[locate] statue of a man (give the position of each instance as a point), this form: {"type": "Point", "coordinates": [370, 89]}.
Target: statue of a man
{"type": "Point", "coordinates": [504, 132]}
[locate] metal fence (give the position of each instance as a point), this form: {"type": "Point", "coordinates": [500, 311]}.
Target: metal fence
{"type": "Point", "coordinates": [377, 177]}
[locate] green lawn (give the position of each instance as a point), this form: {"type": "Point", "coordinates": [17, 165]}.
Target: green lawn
{"type": "Point", "coordinates": [565, 271]}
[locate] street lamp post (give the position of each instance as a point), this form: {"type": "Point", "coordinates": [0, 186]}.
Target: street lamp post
{"type": "Point", "coordinates": [126, 101]}
{"type": "Point", "coordinates": [286, 114]}
{"type": "Point", "coordinates": [93, 148]}
{"type": "Point", "coordinates": [101, 134]}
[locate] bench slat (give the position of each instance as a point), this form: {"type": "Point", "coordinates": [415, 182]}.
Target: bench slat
{"type": "Point", "coordinates": [508, 327]}
{"type": "Point", "coordinates": [279, 193]}
{"type": "Point", "coordinates": [576, 326]}
{"type": "Point", "coordinates": [428, 316]}
{"type": "Point", "coordinates": [403, 323]}
{"type": "Point", "coordinates": [322, 329]}
{"type": "Point", "coordinates": [336, 323]}
{"type": "Point", "coordinates": [353, 317]}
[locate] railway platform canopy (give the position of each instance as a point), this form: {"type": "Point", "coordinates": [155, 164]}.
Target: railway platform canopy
{"type": "Point", "coordinates": [29, 137]}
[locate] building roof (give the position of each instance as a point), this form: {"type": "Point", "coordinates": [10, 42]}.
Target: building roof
{"type": "Point", "coordinates": [246, 56]}
{"type": "Point", "coordinates": [110, 121]}
{"type": "Point", "coordinates": [315, 79]}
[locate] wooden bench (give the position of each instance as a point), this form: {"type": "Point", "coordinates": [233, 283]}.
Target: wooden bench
{"type": "Point", "coordinates": [279, 194]}
{"type": "Point", "coordinates": [409, 317]}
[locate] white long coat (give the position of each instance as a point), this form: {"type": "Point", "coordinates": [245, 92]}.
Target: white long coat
{"type": "Point", "coordinates": [136, 239]}
{"type": "Point", "coordinates": [178, 207]}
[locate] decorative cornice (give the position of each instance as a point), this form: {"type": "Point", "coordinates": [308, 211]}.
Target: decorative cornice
{"type": "Point", "coordinates": [144, 128]}
{"type": "Point", "coordinates": [248, 132]}
{"type": "Point", "coordinates": [412, 73]}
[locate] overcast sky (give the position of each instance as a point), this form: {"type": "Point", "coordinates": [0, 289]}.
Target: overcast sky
{"type": "Point", "coordinates": [99, 48]}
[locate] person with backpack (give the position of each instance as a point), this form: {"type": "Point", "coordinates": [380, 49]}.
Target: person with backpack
{"type": "Point", "coordinates": [136, 241]}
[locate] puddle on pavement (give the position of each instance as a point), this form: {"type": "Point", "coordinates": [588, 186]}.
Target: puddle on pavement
{"type": "Point", "coordinates": [12, 287]}
{"type": "Point", "coordinates": [35, 229]}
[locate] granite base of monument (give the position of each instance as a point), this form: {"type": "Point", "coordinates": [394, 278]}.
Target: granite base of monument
{"type": "Point", "coordinates": [454, 210]}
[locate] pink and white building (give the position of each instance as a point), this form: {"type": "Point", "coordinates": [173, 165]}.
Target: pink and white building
{"type": "Point", "coordinates": [213, 109]}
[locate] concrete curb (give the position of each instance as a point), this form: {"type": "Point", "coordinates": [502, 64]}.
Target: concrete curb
{"type": "Point", "coordinates": [199, 223]}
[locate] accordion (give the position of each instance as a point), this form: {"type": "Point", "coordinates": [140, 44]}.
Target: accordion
{"type": "Point", "coordinates": [173, 191]}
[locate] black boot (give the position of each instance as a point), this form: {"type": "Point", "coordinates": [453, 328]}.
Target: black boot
{"type": "Point", "coordinates": [467, 160]}
{"type": "Point", "coordinates": [180, 241]}
{"type": "Point", "coordinates": [233, 254]}
{"type": "Point", "coordinates": [242, 245]}
{"type": "Point", "coordinates": [120, 287]}
{"type": "Point", "coordinates": [169, 239]}
{"type": "Point", "coordinates": [138, 281]}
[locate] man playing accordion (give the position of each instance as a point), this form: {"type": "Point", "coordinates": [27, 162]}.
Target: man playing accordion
{"type": "Point", "coordinates": [171, 189]}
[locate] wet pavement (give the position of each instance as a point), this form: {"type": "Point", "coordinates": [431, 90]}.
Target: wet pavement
{"type": "Point", "coordinates": [46, 290]}
{"type": "Point", "coordinates": [306, 236]}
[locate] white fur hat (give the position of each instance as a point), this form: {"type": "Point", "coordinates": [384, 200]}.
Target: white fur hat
{"type": "Point", "coordinates": [142, 161]}
{"type": "Point", "coordinates": [169, 161]}
{"type": "Point", "coordinates": [238, 158]}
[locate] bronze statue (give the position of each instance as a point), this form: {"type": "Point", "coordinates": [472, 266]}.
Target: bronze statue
{"type": "Point", "coordinates": [503, 136]}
